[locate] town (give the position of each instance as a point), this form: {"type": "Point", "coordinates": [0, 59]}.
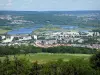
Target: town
{"type": "Point", "coordinates": [51, 39]}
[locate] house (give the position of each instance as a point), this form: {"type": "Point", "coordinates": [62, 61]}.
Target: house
{"type": "Point", "coordinates": [24, 38]}
{"type": "Point", "coordinates": [35, 37]}
{"type": "Point", "coordinates": [8, 39]}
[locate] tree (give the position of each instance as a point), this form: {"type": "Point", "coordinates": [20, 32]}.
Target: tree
{"type": "Point", "coordinates": [0, 38]}
{"type": "Point", "coordinates": [6, 67]}
{"type": "Point", "coordinates": [20, 66]}
{"type": "Point", "coordinates": [35, 70]}
{"type": "Point", "coordinates": [95, 61]}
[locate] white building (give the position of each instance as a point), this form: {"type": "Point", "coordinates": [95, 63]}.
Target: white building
{"type": "Point", "coordinates": [3, 37]}
{"type": "Point", "coordinates": [8, 39]}
{"type": "Point", "coordinates": [35, 37]}
{"type": "Point", "coordinates": [24, 38]}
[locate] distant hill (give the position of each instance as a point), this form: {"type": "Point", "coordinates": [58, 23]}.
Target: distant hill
{"type": "Point", "coordinates": [81, 18]}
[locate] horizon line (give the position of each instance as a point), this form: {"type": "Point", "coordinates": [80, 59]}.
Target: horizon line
{"type": "Point", "coordinates": [49, 10]}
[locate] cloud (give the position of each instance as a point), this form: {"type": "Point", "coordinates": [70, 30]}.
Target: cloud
{"type": "Point", "coordinates": [9, 4]}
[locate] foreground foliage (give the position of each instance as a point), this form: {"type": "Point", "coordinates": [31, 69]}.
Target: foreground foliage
{"type": "Point", "coordinates": [59, 67]}
{"type": "Point", "coordinates": [95, 61]}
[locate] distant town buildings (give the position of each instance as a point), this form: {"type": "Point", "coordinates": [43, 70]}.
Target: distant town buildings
{"type": "Point", "coordinates": [70, 38]}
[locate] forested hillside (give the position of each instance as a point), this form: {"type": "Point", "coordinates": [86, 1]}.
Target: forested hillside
{"type": "Point", "coordinates": [56, 17]}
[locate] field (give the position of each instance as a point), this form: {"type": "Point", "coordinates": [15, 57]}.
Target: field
{"type": "Point", "coordinates": [2, 31]}
{"type": "Point", "coordinates": [46, 57]}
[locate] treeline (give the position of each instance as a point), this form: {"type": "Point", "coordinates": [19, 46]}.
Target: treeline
{"type": "Point", "coordinates": [68, 49]}
{"type": "Point", "coordinates": [60, 67]}
{"type": "Point", "coordinates": [11, 50]}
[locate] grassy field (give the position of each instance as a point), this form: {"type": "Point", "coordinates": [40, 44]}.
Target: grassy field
{"type": "Point", "coordinates": [46, 57]}
{"type": "Point", "coordinates": [2, 31]}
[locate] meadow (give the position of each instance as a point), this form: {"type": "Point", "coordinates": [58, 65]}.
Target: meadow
{"type": "Point", "coordinates": [2, 31]}
{"type": "Point", "coordinates": [47, 57]}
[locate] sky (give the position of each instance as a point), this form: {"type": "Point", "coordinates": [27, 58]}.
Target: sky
{"type": "Point", "coordinates": [49, 5]}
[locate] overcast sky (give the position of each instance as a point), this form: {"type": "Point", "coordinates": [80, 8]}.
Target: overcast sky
{"type": "Point", "coordinates": [49, 5]}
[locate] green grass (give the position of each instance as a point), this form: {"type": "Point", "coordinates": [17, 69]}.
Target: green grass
{"type": "Point", "coordinates": [2, 31]}
{"type": "Point", "coordinates": [46, 57]}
